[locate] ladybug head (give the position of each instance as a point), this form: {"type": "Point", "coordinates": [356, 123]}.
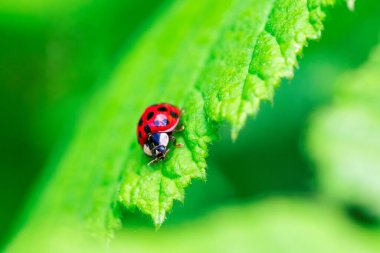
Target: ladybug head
{"type": "Point", "coordinates": [156, 145]}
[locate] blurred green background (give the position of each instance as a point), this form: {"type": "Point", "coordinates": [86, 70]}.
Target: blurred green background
{"type": "Point", "coordinates": [53, 55]}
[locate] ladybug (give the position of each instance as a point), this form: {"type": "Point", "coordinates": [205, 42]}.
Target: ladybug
{"type": "Point", "coordinates": [155, 128]}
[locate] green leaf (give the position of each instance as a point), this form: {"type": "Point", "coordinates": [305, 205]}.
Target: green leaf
{"type": "Point", "coordinates": [216, 59]}
{"type": "Point", "coordinates": [344, 139]}
{"type": "Point", "coordinates": [237, 58]}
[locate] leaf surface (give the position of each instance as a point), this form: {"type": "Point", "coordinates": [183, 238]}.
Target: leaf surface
{"type": "Point", "coordinates": [216, 59]}
{"type": "Point", "coordinates": [239, 53]}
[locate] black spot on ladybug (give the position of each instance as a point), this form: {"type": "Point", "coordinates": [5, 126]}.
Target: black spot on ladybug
{"type": "Point", "coordinates": [150, 115]}
{"type": "Point", "coordinates": [147, 129]}
{"type": "Point", "coordinates": [174, 115]}
{"type": "Point", "coordinates": [140, 122]}
{"type": "Point", "coordinates": [140, 135]}
{"type": "Point", "coordinates": [162, 109]}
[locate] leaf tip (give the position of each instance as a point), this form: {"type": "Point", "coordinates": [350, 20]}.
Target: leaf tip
{"type": "Point", "coordinates": [234, 133]}
{"type": "Point", "coordinates": [158, 220]}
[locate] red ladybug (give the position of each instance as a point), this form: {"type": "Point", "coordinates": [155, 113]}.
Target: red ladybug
{"type": "Point", "coordinates": [155, 129]}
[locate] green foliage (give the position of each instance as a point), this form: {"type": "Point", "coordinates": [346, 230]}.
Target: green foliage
{"type": "Point", "coordinates": [344, 139]}
{"type": "Point", "coordinates": [266, 158]}
{"type": "Point", "coordinates": [56, 52]}
{"type": "Point", "coordinates": [273, 225]}
{"type": "Point", "coordinates": [237, 59]}
{"type": "Point", "coordinates": [224, 60]}
{"type": "Point", "coordinates": [239, 52]}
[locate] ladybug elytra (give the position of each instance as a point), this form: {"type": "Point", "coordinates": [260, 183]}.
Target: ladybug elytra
{"type": "Point", "coordinates": [155, 128]}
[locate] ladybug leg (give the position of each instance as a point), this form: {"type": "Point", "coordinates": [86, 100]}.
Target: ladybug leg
{"type": "Point", "coordinates": [177, 145]}
{"type": "Point", "coordinates": [180, 129]}
{"type": "Point", "coordinates": [153, 161]}
{"type": "Point", "coordinates": [159, 158]}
